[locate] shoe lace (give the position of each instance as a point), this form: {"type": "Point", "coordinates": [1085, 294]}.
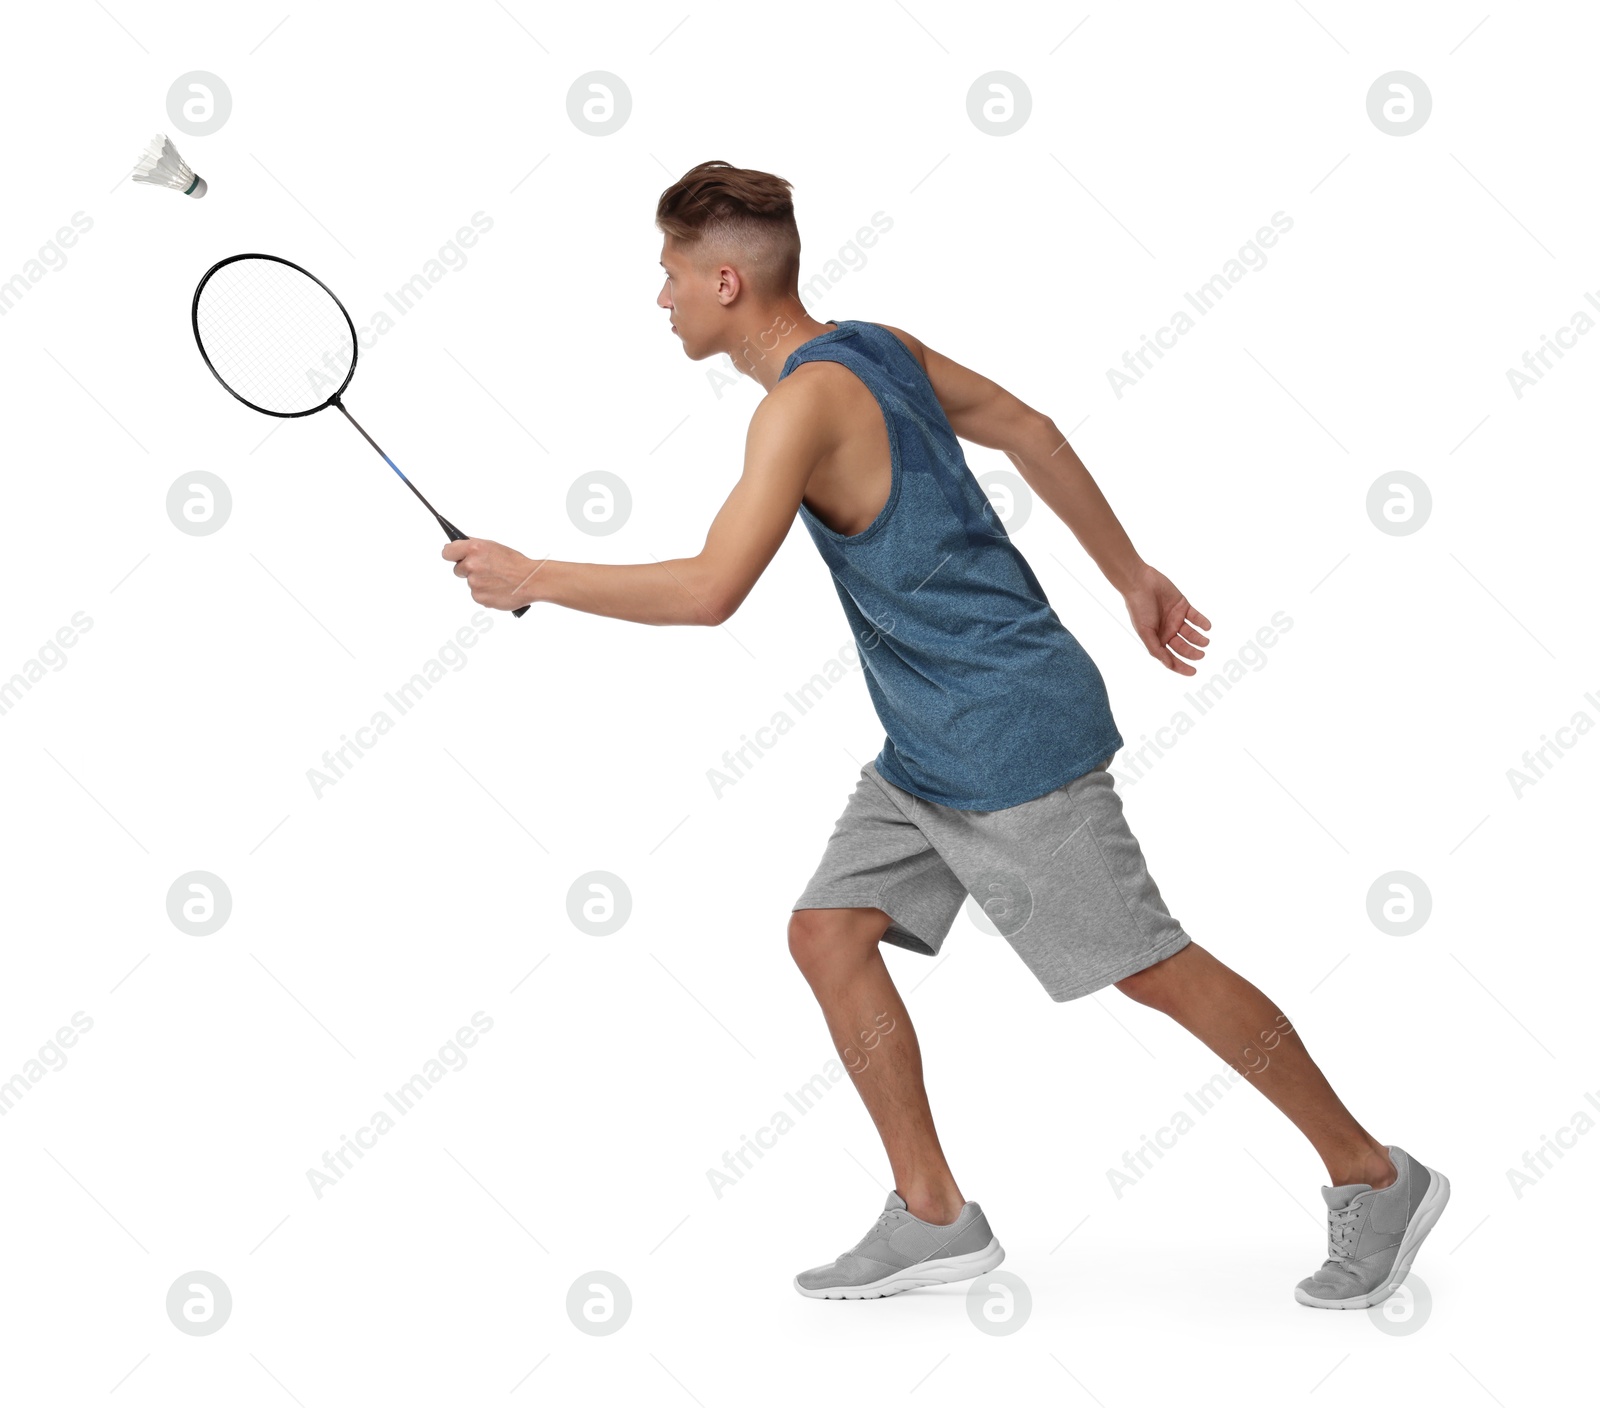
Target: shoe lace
{"type": "Point", "coordinates": [1342, 1231]}
{"type": "Point", "coordinates": [883, 1221]}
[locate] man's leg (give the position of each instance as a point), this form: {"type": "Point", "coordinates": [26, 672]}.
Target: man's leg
{"type": "Point", "coordinates": [837, 950]}
{"type": "Point", "coordinates": [1238, 1022]}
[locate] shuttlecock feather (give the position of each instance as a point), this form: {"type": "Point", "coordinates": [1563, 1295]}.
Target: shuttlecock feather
{"type": "Point", "coordinates": [162, 166]}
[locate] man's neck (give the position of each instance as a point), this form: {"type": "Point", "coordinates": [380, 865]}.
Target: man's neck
{"type": "Point", "coordinates": [763, 344]}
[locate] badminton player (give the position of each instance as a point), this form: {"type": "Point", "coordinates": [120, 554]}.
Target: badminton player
{"type": "Point", "coordinates": [994, 778]}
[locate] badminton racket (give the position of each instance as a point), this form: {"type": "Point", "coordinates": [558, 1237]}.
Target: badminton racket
{"type": "Point", "coordinates": [279, 340]}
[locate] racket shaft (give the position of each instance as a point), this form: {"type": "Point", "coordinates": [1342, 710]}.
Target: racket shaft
{"type": "Point", "coordinates": [451, 531]}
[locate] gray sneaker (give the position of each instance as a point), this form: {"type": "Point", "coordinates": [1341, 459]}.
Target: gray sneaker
{"type": "Point", "coordinates": [1373, 1235]}
{"type": "Point", "coordinates": [902, 1252]}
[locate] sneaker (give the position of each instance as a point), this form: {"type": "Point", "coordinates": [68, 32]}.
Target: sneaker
{"type": "Point", "coordinates": [1373, 1235]}
{"type": "Point", "coordinates": [902, 1252]}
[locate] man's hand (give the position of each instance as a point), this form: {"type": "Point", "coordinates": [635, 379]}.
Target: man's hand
{"type": "Point", "coordinates": [1165, 621]}
{"type": "Point", "coordinates": [499, 576]}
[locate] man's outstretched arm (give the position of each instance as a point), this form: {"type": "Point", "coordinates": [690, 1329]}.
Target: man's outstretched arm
{"type": "Point", "coordinates": [985, 413]}
{"type": "Point", "coordinates": [704, 590]}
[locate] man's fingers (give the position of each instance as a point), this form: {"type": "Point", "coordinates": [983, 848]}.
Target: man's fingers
{"type": "Point", "coordinates": [1164, 652]}
{"type": "Point", "coordinates": [1183, 648]}
{"type": "Point", "coordinates": [1192, 635]}
{"type": "Point", "coordinates": [1198, 619]}
{"type": "Point", "coordinates": [1173, 663]}
{"type": "Point", "coordinates": [1152, 643]}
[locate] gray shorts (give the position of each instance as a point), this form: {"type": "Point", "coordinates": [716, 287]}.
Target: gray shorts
{"type": "Point", "coordinates": [1061, 877]}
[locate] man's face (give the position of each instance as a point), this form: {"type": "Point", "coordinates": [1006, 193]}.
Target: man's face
{"type": "Point", "coordinates": [690, 294]}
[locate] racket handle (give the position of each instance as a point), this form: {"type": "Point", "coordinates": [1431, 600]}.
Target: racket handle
{"type": "Point", "coordinates": [456, 535]}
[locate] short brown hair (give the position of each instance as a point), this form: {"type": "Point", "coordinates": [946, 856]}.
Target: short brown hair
{"type": "Point", "coordinates": [753, 211]}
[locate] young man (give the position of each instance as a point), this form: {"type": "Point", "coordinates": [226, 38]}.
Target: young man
{"type": "Point", "coordinates": [994, 777]}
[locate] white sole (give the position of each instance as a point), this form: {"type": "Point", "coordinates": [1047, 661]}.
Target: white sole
{"type": "Point", "coordinates": [1421, 1224]}
{"type": "Point", "coordinates": [925, 1273]}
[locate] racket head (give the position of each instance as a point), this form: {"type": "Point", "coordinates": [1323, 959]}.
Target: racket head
{"type": "Point", "coordinates": [273, 334]}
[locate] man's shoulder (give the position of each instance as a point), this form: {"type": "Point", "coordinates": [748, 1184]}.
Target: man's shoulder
{"type": "Point", "coordinates": [912, 344]}
{"type": "Point", "coordinates": [821, 371]}
{"type": "Point", "coordinates": [796, 408]}
{"type": "Point", "coordinates": [809, 386]}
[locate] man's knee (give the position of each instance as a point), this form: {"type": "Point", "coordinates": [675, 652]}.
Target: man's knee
{"type": "Point", "coordinates": [1152, 986]}
{"type": "Point", "coordinates": [820, 936]}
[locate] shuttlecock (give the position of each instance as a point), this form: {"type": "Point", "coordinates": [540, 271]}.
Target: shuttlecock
{"type": "Point", "coordinates": [162, 166]}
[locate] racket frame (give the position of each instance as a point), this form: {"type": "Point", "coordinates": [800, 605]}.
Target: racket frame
{"type": "Point", "coordinates": [451, 531]}
{"type": "Point", "coordinates": [194, 322]}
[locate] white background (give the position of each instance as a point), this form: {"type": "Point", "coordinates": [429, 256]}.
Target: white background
{"type": "Point", "coordinates": [372, 922]}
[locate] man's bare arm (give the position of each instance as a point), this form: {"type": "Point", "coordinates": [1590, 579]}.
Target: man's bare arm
{"type": "Point", "coordinates": [781, 448]}
{"type": "Point", "coordinates": [985, 413]}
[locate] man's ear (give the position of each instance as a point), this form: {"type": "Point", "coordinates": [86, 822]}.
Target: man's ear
{"type": "Point", "coordinates": [728, 284]}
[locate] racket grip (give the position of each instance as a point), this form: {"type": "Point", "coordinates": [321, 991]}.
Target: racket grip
{"type": "Point", "coordinates": [456, 535]}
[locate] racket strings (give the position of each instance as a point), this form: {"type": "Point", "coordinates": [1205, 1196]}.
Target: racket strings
{"type": "Point", "coordinates": [275, 336]}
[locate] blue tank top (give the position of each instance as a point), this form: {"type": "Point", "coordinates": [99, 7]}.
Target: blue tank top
{"type": "Point", "coordinates": [988, 701]}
